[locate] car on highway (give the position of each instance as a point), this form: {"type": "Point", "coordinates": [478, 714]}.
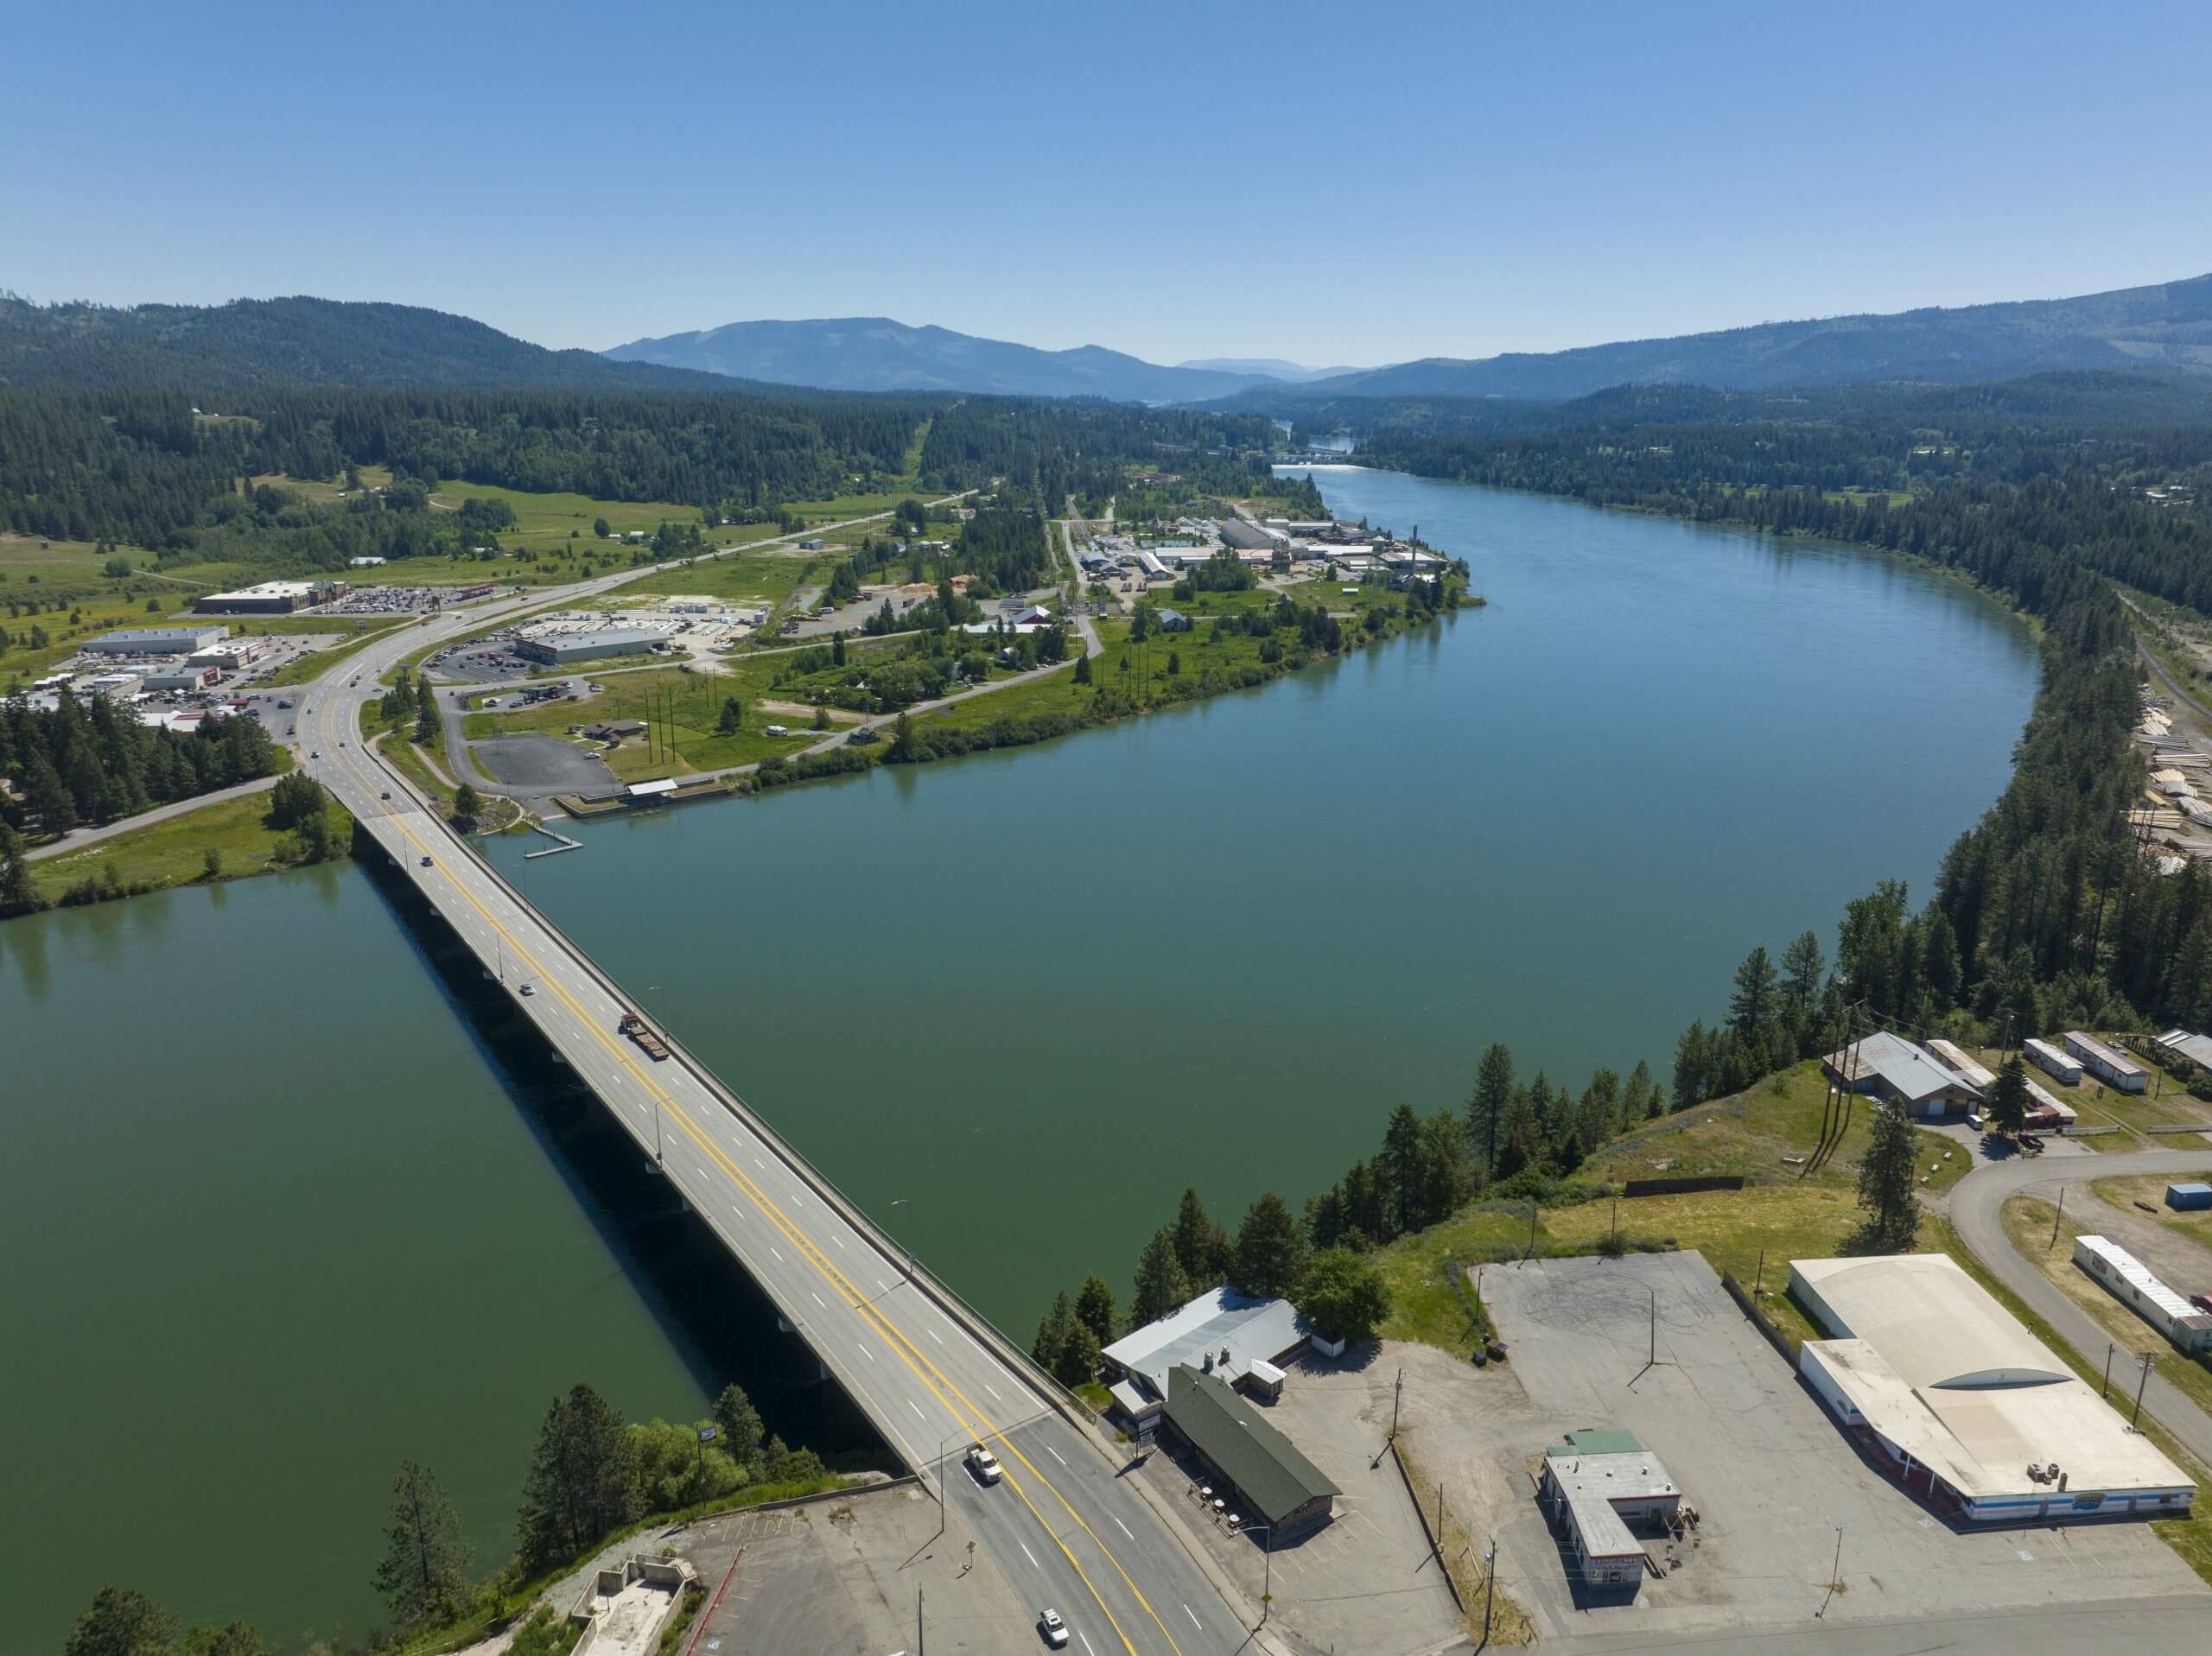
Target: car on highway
{"type": "Point", "coordinates": [983, 1464]}
{"type": "Point", "coordinates": [316, 754]}
{"type": "Point", "coordinates": [529, 989]}
{"type": "Point", "coordinates": [426, 863]}
{"type": "Point", "coordinates": [1054, 1629]}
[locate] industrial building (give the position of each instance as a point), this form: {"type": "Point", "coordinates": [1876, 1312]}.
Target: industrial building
{"type": "Point", "coordinates": [2107, 1062]}
{"type": "Point", "coordinates": [1893, 1069]}
{"type": "Point", "coordinates": [1597, 1484]}
{"type": "Point", "coordinates": [555, 648]}
{"type": "Point", "coordinates": [1965, 1407]}
{"type": "Point", "coordinates": [2053, 1063]}
{"type": "Point", "coordinates": [272, 597]}
{"type": "Point", "coordinates": [1258, 1473]}
{"type": "Point", "coordinates": [186, 677]}
{"type": "Point", "coordinates": [2131, 1283]}
{"type": "Point", "coordinates": [155, 641]}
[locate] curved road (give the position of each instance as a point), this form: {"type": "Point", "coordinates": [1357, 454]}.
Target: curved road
{"type": "Point", "coordinates": [80, 838]}
{"type": "Point", "coordinates": [1976, 1203]}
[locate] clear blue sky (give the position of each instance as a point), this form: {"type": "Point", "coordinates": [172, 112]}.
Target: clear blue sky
{"type": "Point", "coordinates": [1341, 183]}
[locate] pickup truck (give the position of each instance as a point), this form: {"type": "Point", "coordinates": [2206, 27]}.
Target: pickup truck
{"type": "Point", "coordinates": [983, 1464]}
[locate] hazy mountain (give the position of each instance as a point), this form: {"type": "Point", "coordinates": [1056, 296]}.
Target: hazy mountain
{"type": "Point", "coordinates": [2167, 326]}
{"type": "Point", "coordinates": [297, 341]}
{"type": "Point", "coordinates": [1267, 367]}
{"type": "Point", "coordinates": [873, 353]}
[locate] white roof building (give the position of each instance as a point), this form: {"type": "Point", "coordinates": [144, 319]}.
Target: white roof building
{"type": "Point", "coordinates": [1250, 1331]}
{"type": "Point", "coordinates": [1966, 1400]}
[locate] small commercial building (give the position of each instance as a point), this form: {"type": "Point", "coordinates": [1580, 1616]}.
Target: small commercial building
{"type": "Point", "coordinates": [1595, 1487]}
{"type": "Point", "coordinates": [654, 790]}
{"type": "Point", "coordinates": [1256, 1472]}
{"type": "Point", "coordinates": [2107, 1062]}
{"type": "Point", "coordinates": [2048, 1058]}
{"type": "Point", "coordinates": [1963, 1404]}
{"type": "Point", "coordinates": [1221, 1332]}
{"type": "Point", "coordinates": [1893, 1069]}
{"type": "Point", "coordinates": [1174, 621]}
{"type": "Point", "coordinates": [270, 598]}
{"type": "Point", "coordinates": [615, 730]}
{"type": "Point", "coordinates": [114, 686]}
{"type": "Point", "coordinates": [186, 677]}
{"type": "Point", "coordinates": [556, 649]}
{"type": "Point", "coordinates": [2181, 1048]}
{"type": "Point", "coordinates": [233, 656]}
{"type": "Point", "coordinates": [2131, 1282]}
{"type": "Point", "coordinates": [155, 641]}
{"type": "Point", "coordinates": [2189, 1198]}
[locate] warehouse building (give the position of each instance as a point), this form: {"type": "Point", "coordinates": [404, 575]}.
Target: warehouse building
{"type": "Point", "coordinates": [155, 641]}
{"type": "Point", "coordinates": [1596, 1486]}
{"type": "Point", "coordinates": [2107, 1062]}
{"type": "Point", "coordinates": [2053, 1063]}
{"type": "Point", "coordinates": [272, 597]}
{"type": "Point", "coordinates": [556, 649]}
{"type": "Point", "coordinates": [1893, 1069]}
{"type": "Point", "coordinates": [1966, 1407]}
{"type": "Point", "coordinates": [2179, 1047]}
{"type": "Point", "coordinates": [2130, 1281]}
{"type": "Point", "coordinates": [186, 677]}
{"type": "Point", "coordinates": [1257, 1472]}
{"type": "Point", "coordinates": [233, 656]}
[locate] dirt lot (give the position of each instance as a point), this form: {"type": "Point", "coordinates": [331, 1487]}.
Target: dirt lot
{"type": "Point", "coordinates": [1750, 1449]}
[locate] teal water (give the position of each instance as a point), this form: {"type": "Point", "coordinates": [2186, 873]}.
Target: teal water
{"type": "Point", "coordinates": [282, 1208]}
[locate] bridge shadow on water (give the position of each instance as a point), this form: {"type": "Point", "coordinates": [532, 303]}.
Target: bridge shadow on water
{"type": "Point", "coordinates": [722, 1325]}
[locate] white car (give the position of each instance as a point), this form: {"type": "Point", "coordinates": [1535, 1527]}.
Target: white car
{"type": "Point", "coordinates": [529, 989]}
{"type": "Point", "coordinates": [983, 1464]}
{"type": "Point", "coordinates": [1054, 1629]}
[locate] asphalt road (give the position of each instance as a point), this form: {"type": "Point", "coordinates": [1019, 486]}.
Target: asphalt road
{"type": "Point", "coordinates": [2067, 1630]}
{"type": "Point", "coordinates": [1976, 1204]}
{"type": "Point", "coordinates": [1060, 1528]}
{"type": "Point", "coordinates": [80, 838]}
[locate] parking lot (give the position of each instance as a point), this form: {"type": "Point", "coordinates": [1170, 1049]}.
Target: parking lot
{"type": "Point", "coordinates": [1773, 1480]}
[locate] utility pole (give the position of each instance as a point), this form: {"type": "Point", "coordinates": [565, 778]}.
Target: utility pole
{"type": "Point", "coordinates": [2147, 1359]}
{"type": "Point", "coordinates": [921, 1640]}
{"type": "Point", "coordinates": [1654, 1358]}
{"type": "Point", "coordinates": [1397, 1391]}
{"type": "Point", "coordinates": [2055, 1217]}
{"type": "Point", "coordinates": [1489, 1589]}
{"type": "Point", "coordinates": [1835, 1573]}
{"type": "Point", "coordinates": [2109, 1349]}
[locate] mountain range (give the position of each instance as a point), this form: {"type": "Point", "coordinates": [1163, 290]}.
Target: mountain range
{"type": "Point", "coordinates": [873, 353]}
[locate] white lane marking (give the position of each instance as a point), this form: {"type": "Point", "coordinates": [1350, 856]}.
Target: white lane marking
{"type": "Point", "coordinates": [836, 1239]}
{"type": "Point", "coordinates": [780, 1257]}
{"type": "Point", "coordinates": [1126, 1530]}
{"type": "Point", "coordinates": [916, 1408]}
{"type": "Point", "coordinates": [1195, 1622]}
{"type": "Point", "coordinates": [865, 1353]}
{"type": "Point", "coordinates": [883, 1284]}
{"type": "Point", "coordinates": [1055, 1454]}
{"type": "Point", "coordinates": [935, 1335]}
{"type": "Point", "coordinates": [1085, 1637]}
{"type": "Point", "coordinates": [989, 1387]}
{"type": "Point", "coordinates": [816, 1298]}
{"type": "Point", "coordinates": [739, 1211]}
{"type": "Point", "coordinates": [1031, 1557]}
{"type": "Point", "coordinates": [758, 1163]}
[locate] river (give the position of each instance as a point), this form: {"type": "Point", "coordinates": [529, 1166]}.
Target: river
{"type": "Point", "coordinates": [285, 1206]}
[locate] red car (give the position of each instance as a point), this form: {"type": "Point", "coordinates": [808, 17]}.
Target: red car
{"type": "Point", "coordinates": [2202, 1302]}
{"type": "Point", "coordinates": [2029, 1141]}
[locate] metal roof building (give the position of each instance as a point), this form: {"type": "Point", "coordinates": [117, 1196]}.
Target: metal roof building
{"type": "Point", "coordinates": [1892, 1068]}
{"type": "Point", "coordinates": [2179, 1046]}
{"type": "Point", "coordinates": [1223, 1330]}
{"type": "Point", "coordinates": [556, 648]}
{"type": "Point", "coordinates": [2132, 1284]}
{"type": "Point", "coordinates": [1971, 1410]}
{"type": "Point", "coordinates": [2107, 1062]}
{"type": "Point", "coordinates": [1271, 1479]}
{"type": "Point", "coordinates": [155, 641]}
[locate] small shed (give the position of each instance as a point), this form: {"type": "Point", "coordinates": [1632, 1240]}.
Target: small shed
{"type": "Point", "coordinates": [2189, 1195]}
{"type": "Point", "coordinates": [1174, 621]}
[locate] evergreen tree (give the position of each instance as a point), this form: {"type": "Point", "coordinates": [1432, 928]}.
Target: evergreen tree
{"type": "Point", "coordinates": [1194, 1244]}
{"type": "Point", "coordinates": [1636, 1097]}
{"type": "Point", "coordinates": [18, 894]}
{"type": "Point", "coordinates": [426, 712]}
{"type": "Point", "coordinates": [1161, 1286]}
{"type": "Point", "coordinates": [1488, 1104]}
{"type": "Point", "coordinates": [581, 1481]}
{"type": "Point", "coordinates": [1753, 1003]}
{"type": "Point", "coordinates": [1270, 1255]}
{"type": "Point", "coordinates": [1094, 1308]}
{"type": "Point", "coordinates": [740, 1426]}
{"type": "Point", "coordinates": [1055, 1330]}
{"type": "Point", "coordinates": [1082, 668]}
{"type": "Point", "coordinates": [2008, 1099]}
{"type": "Point", "coordinates": [1885, 1187]}
{"type": "Point", "coordinates": [423, 1573]}
{"type": "Point", "coordinates": [468, 803]}
{"type": "Point", "coordinates": [732, 716]}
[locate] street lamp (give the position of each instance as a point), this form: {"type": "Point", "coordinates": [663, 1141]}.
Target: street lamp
{"type": "Point", "coordinates": [1267, 1569]}
{"type": "Point", "coordinates": [941, 1443]}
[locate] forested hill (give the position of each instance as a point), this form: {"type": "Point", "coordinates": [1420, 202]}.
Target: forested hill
{"type": "Point", "coordinates": [873, 353]}
{"type": "Point", "coordinates": [2166, 326]}
{"type": "Point", "coordinates": [298, 341]}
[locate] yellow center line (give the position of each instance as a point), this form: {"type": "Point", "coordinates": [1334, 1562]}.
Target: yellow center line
{"type": "Point", "coordinates": [871, 1316]}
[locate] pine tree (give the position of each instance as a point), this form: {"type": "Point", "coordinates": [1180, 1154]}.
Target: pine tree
{"type": "Point", "coordinates": [1082, 668]}
{"type": "Point", "coordinates": [1636, 1098]}
{"type": "Point", "coordinates": [581, 1481]}
{"type": "Point", "coordinates": [1194, 1234]}
{"type": "Point", "coordinates": [468, 803]}
{"type": "Point", "coordinates": [1161, 1286]}
{"type": "Point", "coordinates": [740, 1426]}
{"type": "Point", "coordinates": [423, 1573]}
{"type": "Point", "coordinates": [1886, 1186]}
{"type": "Point", "coordinates": [1401, 1162]}
{"type": "Point", "coordinates": [1487, 1105]}
{"type": "Point", "coordinates": [2008, 1099]}
{"type": "Point", "coordinates": [732, 717]}
{"type": "Point", "coordinates": [1752, 1004]}
{"type": "Point", "coordinates": [1270, 1255]}
{"type": "Point", "coordinates": [18, 894]}
{"type": "Point", "coordinates": [1054, 1330]}
{"type": "Point", "coordinates": [1094, 1308]}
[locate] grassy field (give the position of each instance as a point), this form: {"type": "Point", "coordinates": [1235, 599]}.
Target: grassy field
{"type": "Point", "coordinates": [173, 852]}
{"type": "Point", "coordinates": [2124, 1193]}
{"type": "Point", "coordinates": [2101, 1106]}
{"type": "Point", "coordinates": [681, 744]}
{"type": "Point", "coordinates": [763, 578]}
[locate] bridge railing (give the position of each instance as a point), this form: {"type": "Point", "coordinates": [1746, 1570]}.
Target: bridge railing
{"type": "Point", "coordinates": [948, 1300]}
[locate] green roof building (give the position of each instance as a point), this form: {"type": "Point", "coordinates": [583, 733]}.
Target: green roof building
{"type": "Point", "coordinates": [1267, 1479]}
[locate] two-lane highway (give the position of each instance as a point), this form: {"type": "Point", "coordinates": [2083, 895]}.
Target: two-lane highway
{"type": "Point", "coordinates": [1061, 1528]}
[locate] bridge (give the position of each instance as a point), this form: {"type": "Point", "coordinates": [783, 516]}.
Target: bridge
{"type": "Point", "coordinates": [932, 1375]}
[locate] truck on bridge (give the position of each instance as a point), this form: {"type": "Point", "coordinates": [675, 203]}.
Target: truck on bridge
{"type": "Point", "coordinates": [648, 1043]}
